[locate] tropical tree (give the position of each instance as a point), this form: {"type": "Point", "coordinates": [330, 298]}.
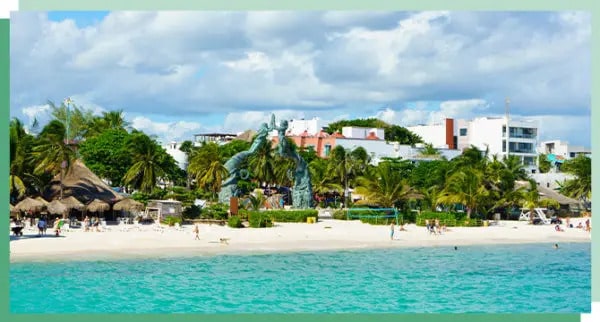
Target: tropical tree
{"type": "Point", "coordinates": [531, 199]}
{"type": "Point", "coordinates": [581, 186]}
{"type": "Point", "coordinates": [383, 186]}
{"type": "Point", "coordinates": [18, 153]}
{"type": "Point", "coordinates": [77, 118]}
{"type": "Point", "coordinates": [146, 168]}
{"type": "Point", "coordinates": [51, 153]}
{"type": "Point", "coordinates": [321, 178]}
{"type": "Point", "coordinates": [543, 164]}
{"type": "Point", "coordinates": [108, 155]}
{"type": "Point", "coordinates": [465, 186]}
{"type": "Point", "coordinates": [212, 177]}
{"type": "Point", "coordinates": [111, 120]}
{"type": "Point", "coordinates": [261, 163]}
{"type": "Point", "coordinates": [207, 167]}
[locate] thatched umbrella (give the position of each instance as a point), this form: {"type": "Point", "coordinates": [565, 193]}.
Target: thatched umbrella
{"type": "Point", "coordinates": [12, 208]}
{"type": "Point", "coordinates": [57, 207]}
{"type": "Point", "coordinates": [97, 206]}
{"type": "Point", "coordinates": [30, 205]}
{"type": "Point", "coordinates": [73, 203]}
{"type": "Point", "coordinates": [128, 205]}
{"type": "Point", "coordinates": [44, 201]}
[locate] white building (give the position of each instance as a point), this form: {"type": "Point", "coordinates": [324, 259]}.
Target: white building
{"type": "Point", "coordinates": [302, 127]}
{"type": "Point", "coordinates": [353, 132]}
{"type": "Point", "coordinates": [520, 139]}
{"type": "Point", "coordinates": [562, 149]}
{"type": "Point", "coordinates": [179, 156]}
{"type": "Point", "coordinates": [440, 135]}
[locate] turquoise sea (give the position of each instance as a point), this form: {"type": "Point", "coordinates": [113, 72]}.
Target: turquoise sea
{"type": "Point", "coordinates": [490, 279]}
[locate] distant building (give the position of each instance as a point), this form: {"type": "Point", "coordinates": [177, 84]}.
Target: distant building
{"type": "Point", "coordinates": [371, 139]}
{"type": "Point", "coordinates": [179, 156]}
{"type": "Point", "coordinates": [219, 138]}
{"type": "Point", "coordinates": [440, 136]}
{"type": "Point", "coordinates": [491, 133]}
{"type": "Point", "coordinates": [562, 149]}
{"type": "Point", "coordinates": [298, 127]}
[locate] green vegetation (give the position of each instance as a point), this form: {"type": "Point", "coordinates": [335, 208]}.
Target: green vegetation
{"type": "Point", "coordinates": [259, 220]}
{"type": "Point", "coordinates": [235, 222]}
{"type": "Point", "coordinates": [171, 221]}
{"type": "Point", "coordinates": [393, 133]}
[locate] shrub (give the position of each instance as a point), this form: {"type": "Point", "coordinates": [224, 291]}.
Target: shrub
{"type": "Point", "coordinates": [170, 220]}
{"type": "Point", "coordinates": [339, 214]}
{"type": "Point", "coordinates": [448, 218]}
{"type": "Point", "coordinates": [258, 219]}
{"type": "Point", "coordinates": [235, 222]}
{"type": "Point", "coordinates": [292, 215]}
{"type": "Point", "coordinates": [215, 211]}
{"type": "Point", "coordinates": [192, 212]}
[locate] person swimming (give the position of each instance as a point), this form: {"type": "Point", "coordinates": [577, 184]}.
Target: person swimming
{"type": "Point", "coordinates": [555, 246]}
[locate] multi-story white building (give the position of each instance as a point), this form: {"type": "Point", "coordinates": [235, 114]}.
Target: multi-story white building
{"type": "Point", "coordinates": [179, 156]}
{"type": "Point", "coordinates": [519, 140]}
{"type": "Point", "coordinates": [562, 149]}
{"type": "Point", "coordinates": [440, 135]}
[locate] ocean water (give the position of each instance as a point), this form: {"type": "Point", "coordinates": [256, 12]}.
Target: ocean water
{"type": "Point", "coordinates": [489, 279]}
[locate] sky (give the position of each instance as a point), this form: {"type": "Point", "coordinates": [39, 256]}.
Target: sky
{"type": "Point", "coordinates": [176, 74]}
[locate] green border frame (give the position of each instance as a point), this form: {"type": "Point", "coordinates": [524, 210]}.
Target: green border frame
{"type": "Point", "coordinates": [74, 5]}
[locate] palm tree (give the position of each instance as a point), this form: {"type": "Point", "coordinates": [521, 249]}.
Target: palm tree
{"type": "Point", "coordinates": [52, 154]}
{"type": "Point", "coordinates": [531, 199]}
{"type": "Point", "coordinates": [581, 187]}
{"type": "Point", "coordinates": [261, 163]}
{"type": "Point", "coordinates": [108, 120]}
{"type": "Point", "coordinates": [213, 176]}
{"type": "Point", "coordinates": [320, 177]}
{"type": "Point", "coordinates": [17, 148]}
{"type": "Point", "coordinates": [146, 168]}
{"type": "Point", "coordinates": [383, 186]}
{"type": "Point", "coordinates": [465, 186]}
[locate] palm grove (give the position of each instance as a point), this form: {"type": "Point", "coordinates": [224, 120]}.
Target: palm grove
{"type": "Point", "coordinates": [129, 158]}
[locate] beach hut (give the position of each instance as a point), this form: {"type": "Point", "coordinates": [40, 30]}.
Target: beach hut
{"type": "Point", "coordinates": [42, 200]}
{"type": "Point", "coordinates": [30, 205]}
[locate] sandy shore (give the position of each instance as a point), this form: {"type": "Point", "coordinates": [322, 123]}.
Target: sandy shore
{"type": "Point", "coordinates": [324, 235]}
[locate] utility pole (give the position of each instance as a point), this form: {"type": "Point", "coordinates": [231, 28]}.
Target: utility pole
{"type": "Point", "coordinates": [507, 111]}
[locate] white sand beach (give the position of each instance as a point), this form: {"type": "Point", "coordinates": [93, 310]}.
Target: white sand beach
{"type": "Point", "coordinates": [324, 235]}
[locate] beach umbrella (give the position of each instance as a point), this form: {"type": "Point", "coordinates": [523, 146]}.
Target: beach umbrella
{"type": "Point", "coordinates": [128, 205]}
{"type": "Point", "coordinates": [97, 206]}
{"type": "Point", "coordinates": [30, 205]}
{"type": "Point", "coordinates": [56, 207]}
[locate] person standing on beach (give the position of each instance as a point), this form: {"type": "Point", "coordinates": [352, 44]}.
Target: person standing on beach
{"type": "Point", "coordinates": [196, 232]}
{"type": "Point", "coordinates": [392, 231]}
{"type": "Point", "coordinates": [427, 225]}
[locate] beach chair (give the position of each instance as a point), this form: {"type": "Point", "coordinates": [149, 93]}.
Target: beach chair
{"type": "Point", "coordinates": [178, 227]}
{"type": "Point", "coordinates": [104, 226]}
{"type": "Point", "coordinates": [123, 226]}
{"type": "Point", "coordinates": [158, 228]}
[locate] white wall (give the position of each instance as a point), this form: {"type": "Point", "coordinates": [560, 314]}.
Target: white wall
{"type": "Point", "coordinates": [297, 127]}
{"type": "Point", "coordinates": [179, 156]}
{"type": "Point", "coordinates": [434, 134]}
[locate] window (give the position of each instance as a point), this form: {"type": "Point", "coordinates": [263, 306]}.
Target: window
{"type": "Point", "coordinates": [572, 154]}
{"type": "Point", "coordinates": [327, 149]}
{"type": "Point", "coordinates": [463, 132]}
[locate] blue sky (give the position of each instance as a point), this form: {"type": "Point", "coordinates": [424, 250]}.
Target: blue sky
{"type": "Point", "coordinates": [180, 73]}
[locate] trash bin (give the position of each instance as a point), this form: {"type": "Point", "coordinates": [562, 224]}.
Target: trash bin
{"type": "Point", "coordinates": [486, 223]}
{"type": "Point", "coordinates": [311, 220]}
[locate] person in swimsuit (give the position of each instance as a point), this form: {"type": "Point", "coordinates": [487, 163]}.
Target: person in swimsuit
{"type": "Point", "coordinates": [392, 231]}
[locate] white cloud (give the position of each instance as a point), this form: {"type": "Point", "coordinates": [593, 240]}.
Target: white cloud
{"type": "Point", "coordinates": [187, 64]}
{"type": "Point", "coordinates": [166, 131]}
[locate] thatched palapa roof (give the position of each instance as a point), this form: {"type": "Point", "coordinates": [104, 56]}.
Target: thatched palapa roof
{"type": "Point", "coordinates": [72, 203]}
{"type": "Point", "coordinates": [30, 204]}
{"type": "Point", "coordinates": [44, 201]}
{"type": "Point", "coordinates": [83, 184]}
{"type": "Point", "coordinates": [97, 206]}
{"type": "Point", "coordinates": [128, 205]}
{"type": "Point", "coordinates": [546, 193]}
{"type": "Point", "coordinates": [56, 207]}
{"type": "Point", "coordinates": [12, 208]}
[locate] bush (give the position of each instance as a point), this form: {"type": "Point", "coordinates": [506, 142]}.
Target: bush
{"type": "Point", "coordinates": [215, 211]}
{"type": "Point", "coordinates": [339, 214]}
{"type": "Point", "coordinates": [292, 215]}
{"type": "Point", "coordinates": [192, 212]}
{"type": "Point", "coordinates": [448, 218]}
{"type": "Point", "coordinates": [171, 221]}
{"type": "Point", "coordinates": [235, 222]}
{"type": "Point", "coordinates": [258, 219]}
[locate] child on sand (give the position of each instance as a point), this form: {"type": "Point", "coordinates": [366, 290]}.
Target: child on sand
{"type": "Point", "coordinates": [196, 232]}
{"type": "Point", "coordinates": [392, 231]}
